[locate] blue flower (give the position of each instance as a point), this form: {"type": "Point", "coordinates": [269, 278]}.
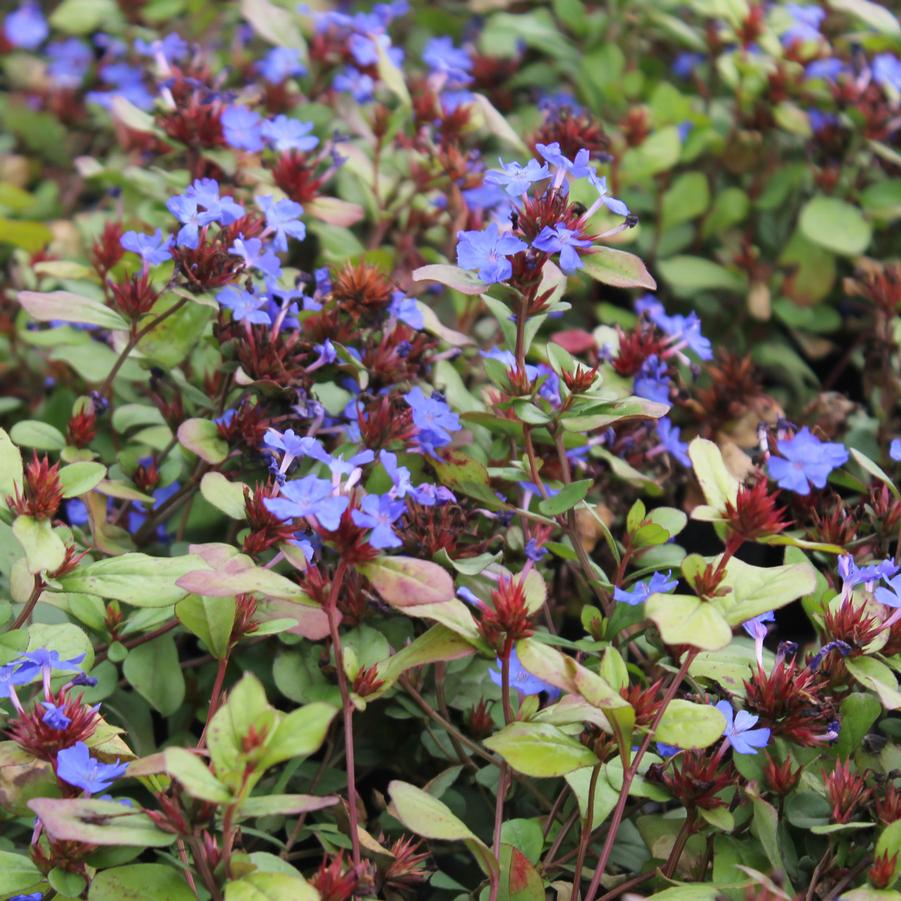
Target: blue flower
{"type": "Point", "coordinates": [487, 252]}
{"type": "Point", "coordinates": [281, 63]}
{"type": "Point", "coordinates": [26, 27]}
{"type": "Point", "coordinates": [282, 218]}
{"type": "Point", "coordinates": [894, 449]}
{"type": "Point", "coordinates": [685, 64]}
{"type": "Point", "coordinates": [356, 83]}
{"type": "Point", "coordinates": [886, 70]}
{"type": "Point", "coordinates": [406, 310]}
{"type": "Point", "coordinates": [256, 256]}
{"type": "Point", "coordinates": [284, 134]}
{"type": "Point", "coordinates": [188, 212]}
{"type": "Point", "coordinates": [309, 496]}
{"type": "Point", "coordinates": [223, 210]}
{"type": "Point", "coordinates": [828, 69]}
{"type": "Point", "coordinates": [565, 240]}
{"type": "Point", "coordinates": [45, 663]}
{"type": "Point", "coordinates": [685, 331]}
{"type": "Point", "coordinates": [245, 307]}
{"type": "Point", "coordinates": [294, 445]}
{"type": "Point", "coordinates": [890, 596]}
{"type": "Point", "coordinates": [152, 249]}
{"type": "Point", "coordinates": [617, 207]}
{"type": "Point", "coordinates": [432, 415]}
{"type": "Point", "coordinates": [652, 381]}
{"type": "Point", "coordinates": [738, 731]}
{"type": "Point", "coordinates": [379, 513]}
{"type": "Point", "coordinates": [658, 583]}
{"type": "Point", "coordinates": [10, 677]}
{"type": "Point", "coordinates": [806, 21]}
{"type": "Point", "coordinates": [34, 896]}
{"type": "Point", "coordinates": [440, 55]}
{"type": "Point", "coordinates": [853, 575]}
{"type": "Point", "coordinates": [665, 750]}
{"type": "Point", "coordinates": [521, 679]}
{"type": "Point", "coordinates": [805, 459]}
{"type": "Point", "coordinates": [578, 167]}
{"type": "Point", "coordinates": [127, 81]}
{"type": "Point", "coordinates": [670, 441]}
{"type": "Point", "coordinates": [241, 128]}
{"type": "Point", "coordinates": [68, 62]}
{"type": "Point", "coordinates": [76, 767]}
{"type": "Point", "coordinates": [515, 178]}
{"type": "Point", "coordinates": [173, 47]}
{"type": "Point", "coordinates": [400, 476]}
{"type": "Point", "coordinates": [756, 627]}
{"type": "Point", "coordinates": [54, 717]}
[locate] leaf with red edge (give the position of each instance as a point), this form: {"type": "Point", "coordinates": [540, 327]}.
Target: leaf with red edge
{"type": "Point", "coordinates": [618, 268]}
{"type": "Point", "coordinates": [406, 581]}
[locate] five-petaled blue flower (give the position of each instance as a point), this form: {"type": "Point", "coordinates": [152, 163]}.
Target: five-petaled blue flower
{"type": "Point", "coordinates": [432, 415]}
{"type": "Point", "coordinates": [379, 512]}
{"type": "Point", "coordinates": [309, 496]}
{"type": "Point", "coordinates": [805, 461]}
{"type": "Point", "coordinates": [739, 732]}
{"type": "Point", "coordinates": [578, 167]}
{"type": "Point", "coordinates": [521, 679]}
{"type": "Point", "coordinates": [45, 663]}
{"type": "Point", "coordinates": [281, 63]}
{"type": "Point", "coordinates": [245, 307]}
{"type": "Point", "coordinates": [658, 583]}
{"type": "Point", "coordinates": [805, 25]}
{"type": "Point", "coordinates": [515, 178]}
{"type": "Point", "coordinates": [256, 256]}
{"type": "Point", "coordinates": [284, 134]}
{"type": "Point", "coordinates": [487, 252]}
{"type": "Point", "coordinates": [282, 218]}
{"type": "Point", "coordinates": [152, 249]}
{"type": "Point", "coordinates": [652, 381]}
{"type": "Point", "coordinates": [241, 128]}
{"type": "Point", "coordinates": [671, 441]}
{"type": "Point", "coordinates": [406, 310]}
{"type": "Point", "coordinates": [440, 55]}
{"type": "Point", "coordinates": [890, 596]}
{"type": "Point", "coordinates": [76, 767]}
{"type": "Point", "coordinates": [26, 27]}
{"type": "Point", "coordinates": [565, 240]}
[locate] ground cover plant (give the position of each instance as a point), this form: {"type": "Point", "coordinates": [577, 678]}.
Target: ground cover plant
{"type": "Point", "coordinates": [450, 450]}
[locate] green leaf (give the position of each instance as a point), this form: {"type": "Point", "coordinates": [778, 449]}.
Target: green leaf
{"type": "Point", "coordinates": [593, 416]}
{"type": "Point", "coordinates": [456, 616]}
{"type": "Point", "coordinates": [210, 619]}
{"type": "Point", "coordinates": [541, 750]}
{"type": "Point", "coordinates": [658, 153]}
{"type": "Point", "coordinates": [836, 225]}
{"type": "Point", "coordinates": [66, 884]}
{"type": "Point", "coordinates": [68, 307]}
{"type": "Point", "coordinates": [299, 734]}
{"type": "Point", "coordinates": [874, 470]}
{"type": "Point", "coordinates": [757, 589]}
{"type": "Point", "coordinates": [408, 581]}
{"type": "Point", "coordinates": [567, 498]}
{"type": "Point", "coordinates": [428, 817]}
{"type": "Point", "coordinates": [194, 774]}
{"type": "Point", "coordinates": [30, 236]}
{"type": "Point", "coordinates": [688, 275]}
{"type": "Point", "coordinates": [689, 725]}
{"type": "Point", "coordinates": [717, 483]}
{"type": "Point", "coordinates": [765, 825]}
{"type": "Point", "coordinates": [496, 123]}
{"type": "Point", "coordinates": [877, 677]}
{"type": "Point", "coordinates": [526, 835]}
{"type": "Point", "coordinates": [392, 76]}
{"type": "Point", "coordinates": [274, 23]}
{"type": "Point", "coordinates": [67, 639]}
{"type": "Point", "coordinates": [261, 886]}
{"type": "Point", "coordinates": [438, 643]}
{"type": "Point", "coordinates": [877, 16]}
{"type": "Point", "coordinates": [136, 579]}
{"type": "Point", "coordinates": [138, 882]}
{"type": "Point", "coordinates": [36, 434]}
{"type": "Point", "coordinates": [99, 823]}
{"type": "Point", "coordinates": [685, 619]}
{"type": "Point", "coordinates": [268, 805]}
{"type": "Point", "coordinates": [605, 796]}
{"type": "Point", "coordinates": [85, 16]}
{"type": "Point", "coordinates": [686, 199]}
{"type": "Point", "coordinates": [201, 437]}
{"type": "Point", "coordinates": [153, 670]}
{"type": "Point", "coordinates": [452, 276]}
{"type": "Point", "coordinates": [44, 549]}
{"type": "Point", "coordinates": [11, 472]}
{"type": "Point", "coordinates": [80, 478]}
{"type": "Point", "coordinates": [17, 873]}
{"type": "Point", "coordinates": [170, 342]}
{"type": "Point", "coordinates": [223, 494]}
{"type": "Point", "coordinates": [617, 268]}
{"type": "Point", "coordinates": [889, 843]}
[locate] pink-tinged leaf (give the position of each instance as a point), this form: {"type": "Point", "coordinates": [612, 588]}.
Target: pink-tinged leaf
{"type": "Point", "coordinates": [618, 268]}
{"type": "Point", "coordinates": [201, 437]}
{"type": "Point", "coordinates": [310, 622]}
{"type": "Point", "coordinates": [452, 276]}
{"type": "Point", "coordinates": [335, 211]}
{"type": "Point", "coordinates": [68, 307]}
{"type": "Point", "coordinates": [98, 823]}
{"type": "Point", "coordinates": [575, 340]}
{"type": "Point", "coordinates": [406, 581]}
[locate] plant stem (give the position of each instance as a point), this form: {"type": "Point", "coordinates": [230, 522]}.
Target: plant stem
{"type": "Point", "coordinates": [347, 709]}
{"type": "Point", "coordinates": [134, 340]}
{"type": "Point", "coordinates": [28, 609]}
{"type": "Point", "coordinates": [215, 695]}
{"type": "Point", "coordinates": [502, 778]}
{"type": "Point", "coordinates": [679, 846]}
{"type": "Point", "coordinates": [629, 775]}
{"type": "Point", "coordinates": [585, 835]}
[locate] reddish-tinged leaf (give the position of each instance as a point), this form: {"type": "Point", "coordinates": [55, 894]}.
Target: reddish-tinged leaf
{"type": "Point", "coordinates": [406, 581]}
